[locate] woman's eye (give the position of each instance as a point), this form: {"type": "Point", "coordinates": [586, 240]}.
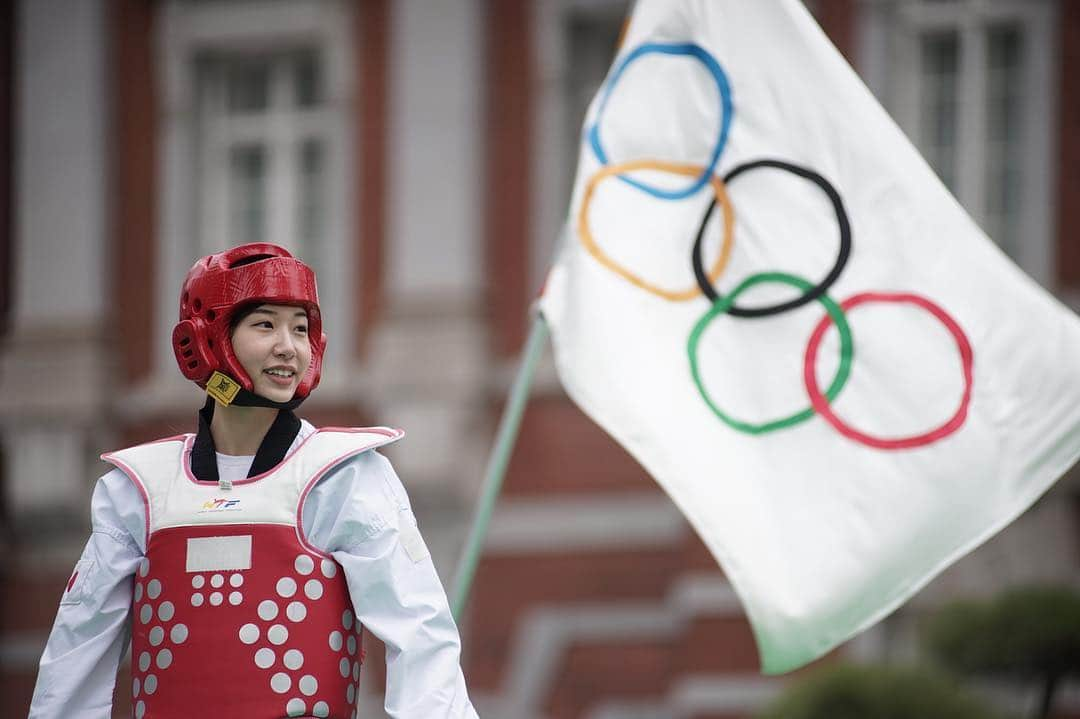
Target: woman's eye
{"type": "Point", "coordinates": [302, 330]}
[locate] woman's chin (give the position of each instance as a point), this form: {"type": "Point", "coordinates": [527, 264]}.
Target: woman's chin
{"type": "Point", "coordinates": [274, 393]}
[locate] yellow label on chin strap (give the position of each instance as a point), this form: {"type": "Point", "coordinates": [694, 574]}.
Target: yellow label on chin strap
{"type": "Point", "coordinates": [222, 388]}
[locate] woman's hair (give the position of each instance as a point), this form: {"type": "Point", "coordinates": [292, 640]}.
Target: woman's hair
{"type": "Point", "coordinates": [242, 313]}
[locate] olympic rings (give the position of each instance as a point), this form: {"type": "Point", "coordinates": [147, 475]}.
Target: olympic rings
{"type": "Point", "coordinates": [823, 408]}
{"type": "Point", "coordinates": [724, 304]}
{"type": "Point", "coordinates": [722, 85]}
{"type": "Point", "coordinates": [690, 170]}
{"type": "Point", "coordinates": [835, 313]}
{"type": "Point", "coordinates": [814, 291]}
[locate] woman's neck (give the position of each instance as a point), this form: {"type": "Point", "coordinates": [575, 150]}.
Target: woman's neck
{"type": "Point", "coordinates": [240, 430]}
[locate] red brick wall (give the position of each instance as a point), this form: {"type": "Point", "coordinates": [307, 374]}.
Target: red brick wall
{"type": "Point", "coordinates": [134, 190]}
{"type": "Point", "coordinates": [508, 112]}
{"type": "Point", "coordinates": [559, 449]}
{"type": "Point", "coordinates": [371, 40]}
{"type": "Point", "coordinates": [838, 20]}
{"type": "Point", "coordinates": [1068, 199]}
{"type": "Point", "coordinates": [7, 165]}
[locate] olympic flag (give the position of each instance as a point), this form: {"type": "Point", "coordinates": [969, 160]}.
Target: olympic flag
{"type": "Point", "coordinates": [766, 296]}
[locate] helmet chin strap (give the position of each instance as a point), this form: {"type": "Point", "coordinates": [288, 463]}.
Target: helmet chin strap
{"type": "Point", "coordinates": [228, 391]}
{"type": "Point", "coordinates": [244, 398]}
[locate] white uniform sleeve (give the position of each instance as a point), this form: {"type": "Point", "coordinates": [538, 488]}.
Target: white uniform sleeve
{"type": "Point", "coordinates": [360, 514]}
{"type": "Point", "coordinates": [78, 666]}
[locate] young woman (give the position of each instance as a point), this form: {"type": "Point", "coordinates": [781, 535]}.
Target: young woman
{"type": "Point", "coordinates": [245, 560]}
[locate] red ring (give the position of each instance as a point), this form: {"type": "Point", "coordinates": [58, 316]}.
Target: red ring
{"type": "Point", "coordinates": [821, 405]}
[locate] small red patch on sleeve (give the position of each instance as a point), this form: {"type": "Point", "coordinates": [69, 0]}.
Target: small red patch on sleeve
{"type": "Point", "coordinates": [71, 582]}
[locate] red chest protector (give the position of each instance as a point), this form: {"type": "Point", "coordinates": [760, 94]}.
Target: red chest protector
{"type": "Point", "coordinates": [235, 614]}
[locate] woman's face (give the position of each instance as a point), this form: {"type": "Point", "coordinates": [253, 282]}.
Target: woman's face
{"type": "Point", "coordinates": [271, 343]}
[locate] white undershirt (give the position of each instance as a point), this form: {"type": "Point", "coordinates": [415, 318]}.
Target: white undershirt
{"type": "Point", "coordinates": [232, 467]}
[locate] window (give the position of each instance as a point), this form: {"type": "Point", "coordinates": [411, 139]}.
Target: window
{"type": "Point", "coordinates": [263, 129]}
{"type": "Point", "coordinates": [971, 83]}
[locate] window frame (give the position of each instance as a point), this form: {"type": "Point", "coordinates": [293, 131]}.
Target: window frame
{"type": "Point", "coordinates": [185, 31]}
{"type": "Point", "coordinates": [891, 34]}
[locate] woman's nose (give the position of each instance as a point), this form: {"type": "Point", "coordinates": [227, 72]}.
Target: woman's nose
{"type": "Point", "coordinates": [284, 346]}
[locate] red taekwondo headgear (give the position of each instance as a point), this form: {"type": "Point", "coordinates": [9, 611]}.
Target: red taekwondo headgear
{"type": "Point", "coordinates": [220, 285]}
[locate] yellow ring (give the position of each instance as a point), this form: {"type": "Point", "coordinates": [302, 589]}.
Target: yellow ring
{"type": "Point", "coordinates": [676, 168]}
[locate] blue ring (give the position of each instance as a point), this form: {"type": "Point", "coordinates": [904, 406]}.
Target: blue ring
{"type": "Point", "coordinates": [722, 85]}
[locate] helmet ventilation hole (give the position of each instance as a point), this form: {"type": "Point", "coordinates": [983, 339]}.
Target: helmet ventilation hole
{"type": "Point", "coordinates": [211, 315]}
{"type": "Point", "coordinates": [197, 305]}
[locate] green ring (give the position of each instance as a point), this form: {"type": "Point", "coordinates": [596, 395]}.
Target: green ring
{"type": "Point", "coordinates": [724, 303]}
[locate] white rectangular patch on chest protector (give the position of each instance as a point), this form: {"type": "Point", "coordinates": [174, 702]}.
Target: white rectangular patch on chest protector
{"type": "Point", "coordinates": [211, 554]}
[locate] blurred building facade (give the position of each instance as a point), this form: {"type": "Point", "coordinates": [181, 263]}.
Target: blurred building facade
{"type": "Point", "coordinates": [420, 155]}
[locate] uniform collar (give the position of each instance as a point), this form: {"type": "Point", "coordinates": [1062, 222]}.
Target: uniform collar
{"type": "Point", "coordinates": [275, 445]}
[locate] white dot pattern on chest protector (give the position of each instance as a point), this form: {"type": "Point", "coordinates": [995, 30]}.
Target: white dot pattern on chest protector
{"type": "Point", "coordinates": [286, 587]}
{"type": "Point", "coordinates": [308, 685]}
{"type": "Point", "coordinates": [277, 634]}
{"type": "Point", "coordinates": [296, 611]}
{"type": "Point", "coordinates": [161, 638]}
{"type": "Point", "coordinates": [293, 659]}
{"type": "Point", "coordinates": [313, 589]}
{"type": "Point", "coordinates": [280, 682]}
{"type": "Point", "coordinates": [249, 634]}
{"type": "Point", "coordinates": [262, 621]}
{"type": "Point", "coordinates": [304, 564]}
{"type": "Point", "coordinates": [268, 610]}
{"type": "Point", "coordinates": [265, 658]}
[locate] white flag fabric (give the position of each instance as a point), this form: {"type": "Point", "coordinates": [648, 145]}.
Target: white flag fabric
{"type": "Point", "coordinates": [768, 298]}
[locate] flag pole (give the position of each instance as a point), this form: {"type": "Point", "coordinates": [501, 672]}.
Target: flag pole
{"type": "Point", "coordinates": [497, 461]}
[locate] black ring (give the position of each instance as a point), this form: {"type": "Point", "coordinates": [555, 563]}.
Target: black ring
{"type": "Point", "coordinates": [819, 289]}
